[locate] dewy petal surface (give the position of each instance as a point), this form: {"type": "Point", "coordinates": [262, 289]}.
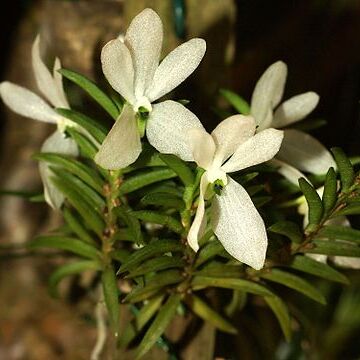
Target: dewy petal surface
{"type": "Point", "coordinates": [168, 126]}
{"type": "Point", "coordinates": [202, 146]}
{"type": "Point", "coordinates": [56, 143]}
{"type": "Point", "coordinates": [267, 93]}
{"type": "Point", "coordinates": [144, 39]}
{"type": "Point", "coordinates": [176, 67]}
{"type": "Point", "coordinates": [258, 149]}
{"type": "Point", "coordinates": [26, 103]}
{"type": "Point", "coordinates": [199, 223]}
{"type": "Point", "coordinates": [231, 133]}
{"type": "Point", "coordinates": [295, 109]}
{"type": "Point", "coordinates": [43, 77]}
{"type": "Point", "coordinates": [122, 145]}
{"type": "Point", "coordinates": [118, 68]}
{"type": "Point", "coordinates": [304, 152]}
{"type": "Point", "coordinates": [239, 226]}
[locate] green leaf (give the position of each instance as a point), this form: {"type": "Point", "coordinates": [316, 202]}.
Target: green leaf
{"type": "Point", "coordinates": [349, 209]}
{"type": "Point", "coordinates": [236, 101]}
{"type": "Point", "coordinates": [77, 185]}
{"type": "Point", "coordinates": [215, 269]}
{"type": "Point", "coordinates": [158, 326]}
{"type": "Point", "coordinates": [205, 312]}
{"type": "Point", "coordinates": [317, 268]}
{"type": "Point", "coordinates": [236, 284]}
{"type": "Point", "coordinates": [132, 222]}
{"type": "Point", "coordinates": [70, 269]}
{"type": "Point", "coordinates": [76, 226]}
{"type": "Point", "coordinates": [163, 199]}
{"type": "Point", "coordinates": [345, 168]}
{"type": "Point", "coordinates": [86, 174]}
{"type": "Point", "coordinates": [294, 282]}
{"type": "Point", "coordinates": [120, 255]}
{"type": "Point", "coordinates": [70, 244]}
{"type": "Point", "coordinates": [336, 232]}
{"type": "Point", "coordinates": [141, 319]}
{"type": "Point", "coordinates": [159, 218]}
{"type": "Point", "coordinates": [179, 167]}
{"type": "Point", "coordinates": [288, 229]}
{"type": "Point", "coordinates": [87, 148]}
{"type": "Point", "coordinates": [155, 283]}
{"type": "Point", "coordinates": [314, 203]}
{"type": "Point", "coordinates": [333, 248]}
{"type": "Point", "coordinates": [93, 127]}
{"type": "Point", "coordinates": [209, 251]}
{"type": "Point", "coordinates": [93, 90]}
{"type": "Point", "coordinates": [148, 251]}
{"type": "Point", "coordinates": [91, 218]}
{"type": "Point", "coordinates": [329, 197]}
{"type": "Point", "coordinates": [145, 178]}
{"type": "Point", "coordinates": [111, 297]}
{"type": "Point", "coordinates": [282, 314]}
{"type": "Point", "coordinates": [157, 264]}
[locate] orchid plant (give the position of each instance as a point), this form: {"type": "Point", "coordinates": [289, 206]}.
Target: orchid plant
{"type": "Point", "coordinates": [149, 204]}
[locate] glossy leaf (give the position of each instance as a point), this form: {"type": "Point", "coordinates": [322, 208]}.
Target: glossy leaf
{"type": "Point", "coordinates": [205, 312]}
{"type": "Point", "coordinates": [333, 248]}
{"type": "Point", "coordinates": [236, 101]}
{"type": "Point", "coordinates": [70, 244]}
{"type": "Point", "coordinates": [179, 167]}
{"type": "Point", "coordinates": [345, 168]}
{"type": "Point", "coordinates": [87, 148]}
{"type": "Point", "coordinates": [158, 326]}
{"type": "Point", "coordinates": [294, 282]}
{"type": "Point", "coordinates": [209, 251]}
{"type": "Point", "coordinates": [349, 209]}
{"type": "Point", "coordinates": [329, 197]}
{"type": "Point", "coordinates": [336, 232]}
{"type": "Point", "coordinates": [132, 222]}
{"type": "Point", "coordinates": [163, 199]}
{"type": "Point", "coordinates": [93, 90]}
{"type": "Point", "coordinates": [288, 229]}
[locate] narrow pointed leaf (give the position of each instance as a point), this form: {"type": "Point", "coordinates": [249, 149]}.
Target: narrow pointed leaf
{"type": "Point", "coordinates": [93, 90]}
{"type": "Point", "coordinates": [132, 222]}
{"type": "Point", "coordinates": [221, 270]}
{"type": "Point", "coordinates": [314, 203]}
{"type": "Point", "coordinates": [205, 312]}
{"type": "Point", "coordinates": [336, 232]}
{"type": "Point", "coordinates": [70, 244]}
{"type": "Point", "coordinates": [154, 248]}
{"type": "Point", "coordinates": [317, 268]}
{"type": "Point", "coordinates": [236, 284]}
{"type": "Point", "coordinates": [329, 197]}
{"type": "Point", "coordinates": [159, 218]}
{"type": "Point", "coordinates": [345, 168]}
{"type": "Point", "coordinates": [88, 175]}
{"type": "Point", "coordinates": [179, 167]}
{"type": "Point", "coordinates": [163, 199]}
{"type": "Point", "coordinates": [236, 101]}
{"type": "Point", "coordinates": [145, 178]}
{"type": "Point", "coordinates": [120, 255]}
{"type": "Point", "coordinates": [282, 314]}
{"type": "Point", "coordinates": [70, 269]}
{"type": "Point", "coordinates": [288, 229]}
{"type": "Point", "coordinates": [159, 325]}
{"type": "Point", "coordinates": [87, 148]}
{"type": "Point", "coordinates": [349, 209]}
{"type": "Point", "coordinates": [77, 227]}
{"type": "Point", "coordinates": [111, 296]}
{"type": "Point", "coordinates": [333, 248]}
{"type": "Point", "coordinates": [294, 282]}
{"type": "Point", "coordinates": [209, 251]}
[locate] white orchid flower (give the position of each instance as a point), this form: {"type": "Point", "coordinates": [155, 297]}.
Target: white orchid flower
{"type": "Point", "coordinates": [132, 68]}
{"type": "Point", "coordinates": [232, 146]}
{"type": "Point", "coordinates": [299, 150]}
{"type": "Point", "coordinates": [341, 261]}
{"type": "Point", "coordinates": [26, 103]}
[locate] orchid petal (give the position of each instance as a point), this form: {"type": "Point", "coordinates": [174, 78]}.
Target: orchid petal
{"type": "Point", "coordinates": [305, 152]}
{"type": "Point", "coordinates": [347, 262]}
{"type": "Point", "coordinates": [239, 226]}
{"type": "Point", "coordinates": [295, 109]}
{"type": "Point", "coordinates": [118, 69]}
{"type": "Point", "coordinates": [176, 67]}
{"type": "Point", "coordinates": [202, 147]}
{"type": "Point", "coordinates": [287, 171]}
{"type": "Point", "coordinates": [58, 80]}
{"type": "Point", "coordinates": [122, 145]}
{"type": "Point", "coordinates": [267, 93]}
{"type": "Point", "coordinates": [59, 144]}
{"type": "Point", "coordinates": [144, 39]}
{"type": "Point", "coordinates": [231, 133]}
{"type": "Point", "coordinates": [26, 103]}
{"type": "Point", "coordinates": [258, 149]}
{"type": "Point", "coordinates": [43, 76]}
{"type": "Point", "coordinates": [168, 126]}
{"type": "Point", "coordinates": [199, 223]}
